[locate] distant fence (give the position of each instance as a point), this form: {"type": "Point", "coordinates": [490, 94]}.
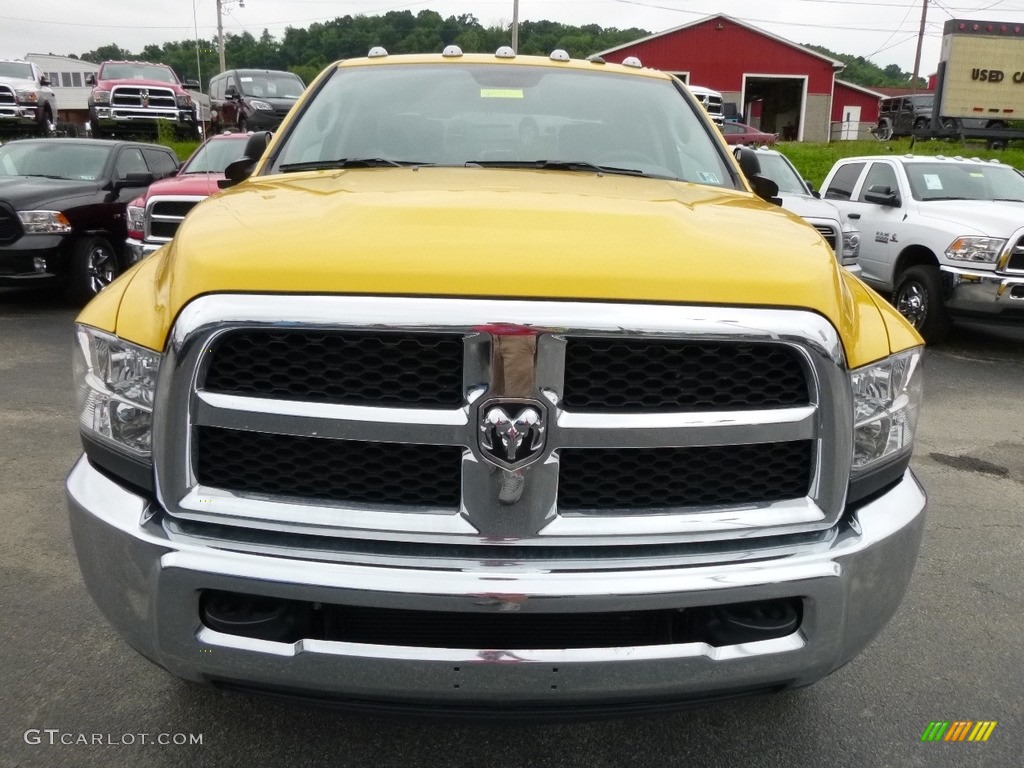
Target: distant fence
{"type": "Point", "coordinates": [842, 130]}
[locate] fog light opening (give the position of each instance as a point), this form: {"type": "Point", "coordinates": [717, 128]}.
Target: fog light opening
{"type": "Point", "coordinates": [39, 264]}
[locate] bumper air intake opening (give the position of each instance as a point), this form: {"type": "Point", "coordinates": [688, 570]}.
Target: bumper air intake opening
{"type": "Point", "coordinates": [287, 621]}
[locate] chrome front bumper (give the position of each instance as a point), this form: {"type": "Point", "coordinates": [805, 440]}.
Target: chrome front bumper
{"type": "Point", "coordinates": [137, 250]}
{"type": "Point", "coordinates": [983, 293]}
{"type": "Point", "coordinates": [148, 587]}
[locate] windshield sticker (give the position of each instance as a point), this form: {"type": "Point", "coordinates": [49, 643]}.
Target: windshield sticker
{"type": "Point", "coordinates": [932, 181]}
{"type": "Point", "coordinates": [708, 177]}
{"type": "Point", "coordinates": [246, 79]}
{"type": "Point", "coordinates": [501, 93]}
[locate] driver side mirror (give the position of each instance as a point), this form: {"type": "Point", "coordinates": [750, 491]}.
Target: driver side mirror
{"type": "Point", "coordinates": [881, 194]}
{"type": "Point", "coordinates": [242, 169]}
{"type": "Point", "coordinates": [191, 85]}
{"type": "Point", "coordinates": [90, 79]}
{"type": "Point", "coordinates": [231, 92]}
{"type": "Point", "coordinates": [44, 81]}
{"type": "Point", "coordinates": [763, 187]}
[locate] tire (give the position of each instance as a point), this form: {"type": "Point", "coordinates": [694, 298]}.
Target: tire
{"type": "Point", "coordinates": [882, 131]}
{"type": "Point", "coordinates": [243, 127]}
{"type": "Point", "coordinates": [918, 297]}
{"type": "Point", "coordinates": [94, 265]}
{"type": "Point", "coordinates": [47, 121]}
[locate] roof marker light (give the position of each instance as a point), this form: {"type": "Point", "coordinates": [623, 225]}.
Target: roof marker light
{"type": "Point", "coordinates": [451, 52]}
{"type": "Point", "coordinates": [632, 61]}
{"type": "Point", "coordinates": [559, 55]}
{"type": "Point", "coordinates": [377, 52]}
{"type": "Point", "coordinates": [595, 59]}
{"type": "Point", "coordinates": [505, 52]}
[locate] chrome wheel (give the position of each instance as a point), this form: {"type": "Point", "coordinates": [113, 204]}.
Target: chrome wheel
{"type": "Point", "coordinates": [100, 266]}
{"type": "Point", "coordinates": [912, 303]}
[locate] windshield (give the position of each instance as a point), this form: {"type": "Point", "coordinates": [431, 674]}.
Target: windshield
{"type": "Point", "coordinates": [779, 170]}
{"type": "Point", "coordinates": [137, 71]}
{"type": "Point", "coordinates": [214, 156]}
{"type": "Point", "coordinates": [964, 181]}
{"type": "Point", "coordinates": [505, 115]}
{"type": "Point", "coordinates": [15, 69]}
{"type": "Point", "coordinates": [50, 159]}
{"type": "Point", "coordinates": [271, 85]}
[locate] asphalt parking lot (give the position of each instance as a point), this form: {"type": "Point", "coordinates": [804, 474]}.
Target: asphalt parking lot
{"type": "Point", "coordinates": [954, 651]}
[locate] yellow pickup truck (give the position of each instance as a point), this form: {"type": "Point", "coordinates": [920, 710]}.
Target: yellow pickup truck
{"type": "Point", "coordinates": [491, 386]}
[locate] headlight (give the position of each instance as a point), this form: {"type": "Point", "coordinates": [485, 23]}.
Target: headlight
{"type": "Point", "coordinates": [136, 219]}
{"type": "Point", "coordinates": [983, 249]}
{"type": "Point", "coordinates": [184, 101]}
{"type": "Point", "coordinates": [29, 95]}
{"type": "Point", "coordinates": [261, 105]}
{"type": "Point", "coordinates": [44, 222]}
{"type": "Point", "coordinates": [100, 96]}
{"type": "Point", "coordinates": [851, 244]}
{"type": "Point", "coordinates": [114, 384]}
{"type": "Point", "coordinates": [886, 402]}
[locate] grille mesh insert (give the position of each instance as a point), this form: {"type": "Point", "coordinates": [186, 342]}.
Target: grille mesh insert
{"type": "Point", "coordinates": [333, 470]}
{"type": "Point", "coordinates": [642, 374]}
{"type": "Point", "coordinates": [361, 367]}
{"type": "Point", "coordinates": [630, 478]}
{"type": "Point", "coordinates": [173, 207]}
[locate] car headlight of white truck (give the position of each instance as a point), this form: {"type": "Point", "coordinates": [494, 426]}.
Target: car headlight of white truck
{"type": "Point", "coordinates": [985, 250]}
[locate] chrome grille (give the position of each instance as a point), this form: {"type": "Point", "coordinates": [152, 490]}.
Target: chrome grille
{"type": "Point", "coordinates": [1016, 260]}
{"type": "Point", "coordinates": [829, 233]}
{"type": "Point", "coordinates": [165, 214]}
{"type": "Point", "coordinates": [142, 97]}
{"type": "Point", "coordinates": [230, 453]}
{"type": "Point", "coordinates": [7, 97]}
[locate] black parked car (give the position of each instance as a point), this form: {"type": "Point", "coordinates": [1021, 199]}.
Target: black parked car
{"type": "Point", "coordinates": [63, 208]}
{"type": "Point", "coordinates": [252, 99]}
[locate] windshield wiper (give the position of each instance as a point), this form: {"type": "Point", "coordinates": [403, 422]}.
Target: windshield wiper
{"type": "Point", "coordinates": [347, 162]}
{"type": "Point", "coordinates": [43, 176]}
{"type": "Point", "coordinates": [555, 165]}
{"type": "Point", "coordinates": [1007, 200]}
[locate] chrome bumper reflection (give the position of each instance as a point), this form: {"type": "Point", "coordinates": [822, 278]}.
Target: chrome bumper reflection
{"type": "Point", "coordinates": [148, 586]}
{"type": "Point", "coordinates": [983, 292]}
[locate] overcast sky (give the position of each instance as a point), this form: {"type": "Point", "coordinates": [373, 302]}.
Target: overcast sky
{"type": "Point", "coordinates": [884, 31]}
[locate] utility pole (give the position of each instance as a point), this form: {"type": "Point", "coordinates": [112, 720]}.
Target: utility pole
{"type": "Point", "coordinates": [220, 29]}
{"type": "Point", "coordinates": [920, 41]}
{"type": "Point", "coordinates": [220, 39]}
{"type": "Point", "coordinates": [515, 25]}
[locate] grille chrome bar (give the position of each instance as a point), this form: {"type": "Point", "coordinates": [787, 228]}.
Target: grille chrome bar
{"type": "Point", "coordinates": [183, 406]}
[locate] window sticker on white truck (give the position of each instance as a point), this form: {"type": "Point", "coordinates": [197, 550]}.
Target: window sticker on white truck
{"type": "Point", "coordinates": [932, 181]}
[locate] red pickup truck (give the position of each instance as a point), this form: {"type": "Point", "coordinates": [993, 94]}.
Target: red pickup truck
{"type": "Point", "coordinates": [130, 97]}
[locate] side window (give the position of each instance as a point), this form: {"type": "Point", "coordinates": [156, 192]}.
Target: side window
{"type": "Point", "coordinates": [216, 88]}
{"type": "Point", "coordinates": [129, 161]}
{"type": "Point", "coordinates": [162, 164]}
{"type": "Point", "coordinates": [879, 175]}
{"type": "Point", "coordinates": [842, 184]}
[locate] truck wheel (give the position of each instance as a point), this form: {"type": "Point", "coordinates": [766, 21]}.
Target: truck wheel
{"type": "Point", "coordinates": [94, 266]}
{"type": "Point", "coordinates": [47, 122]}
{"type": "Point", "coordinates": [918, 298]}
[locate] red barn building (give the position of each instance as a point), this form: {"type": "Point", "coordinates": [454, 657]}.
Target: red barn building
{"type": "Point", "coordinates": [777, 85]}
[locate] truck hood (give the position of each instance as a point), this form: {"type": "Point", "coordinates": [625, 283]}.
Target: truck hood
{"type": "Point", "coordinates": [28, 192]}
{"type": "Point", "coordinates": [108, 84]}
{"type": "Point", "coordinates": [809, 207]}
{"type": "Point", "coordinates": [204, 184]}
{"type": "Point", "coordinates": [482, 232]}
{"type": "Point", "coordinates": [20, 82]}
{"type": "Point", "coordinates": [984, 217]}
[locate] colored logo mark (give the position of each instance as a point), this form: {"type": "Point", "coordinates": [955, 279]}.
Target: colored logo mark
{"type": "Point", "coordinates": [959, 730]}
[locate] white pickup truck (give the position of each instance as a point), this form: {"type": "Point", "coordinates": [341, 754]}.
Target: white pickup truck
{"type": "Point", "coordinates": [943, 236]}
